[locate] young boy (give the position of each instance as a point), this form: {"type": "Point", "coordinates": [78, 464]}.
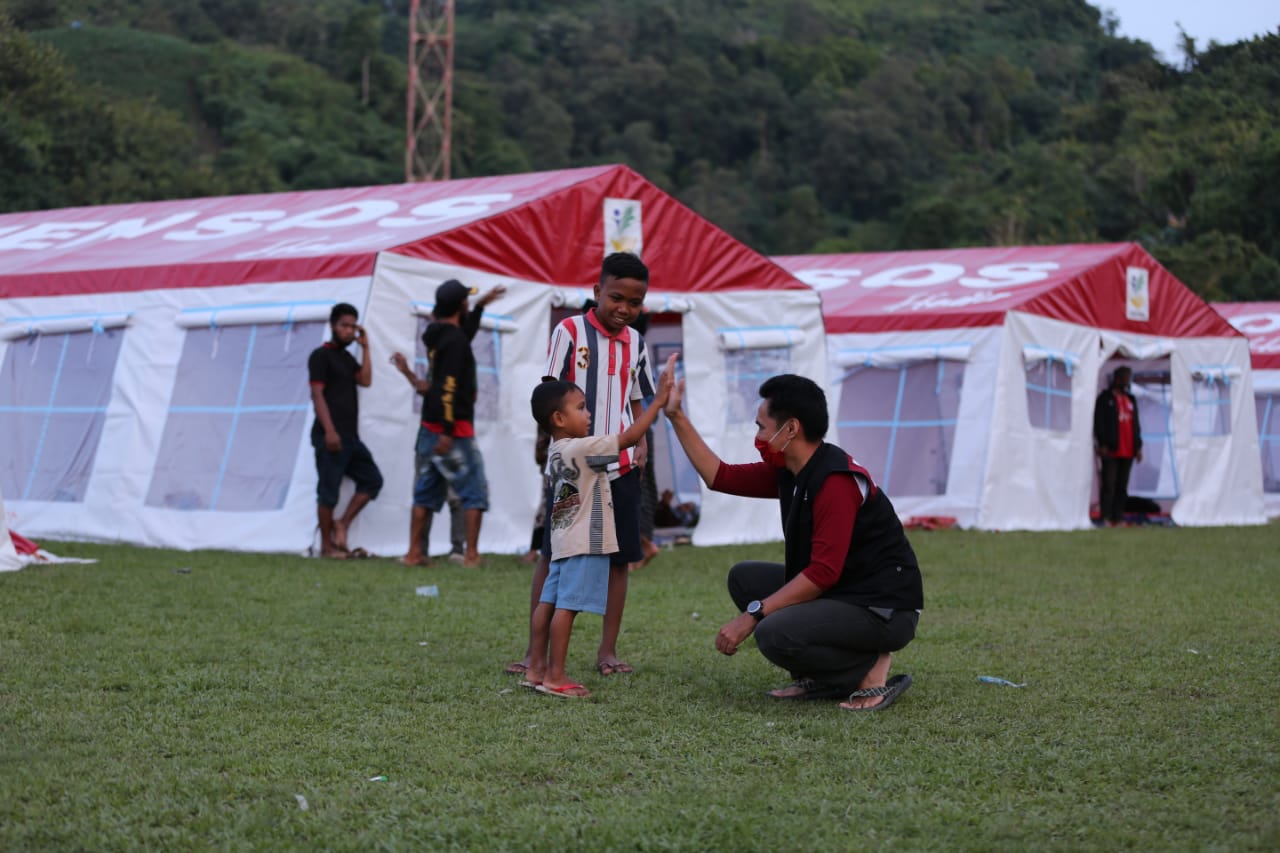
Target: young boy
{"type": "Point", "coordinates": [582, 529]}
{"type": "Point", "coordinates": [599, 351]}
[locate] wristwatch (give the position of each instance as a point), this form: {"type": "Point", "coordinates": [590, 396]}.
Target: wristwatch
{"type": "Point", "coordinates": [756, 609]}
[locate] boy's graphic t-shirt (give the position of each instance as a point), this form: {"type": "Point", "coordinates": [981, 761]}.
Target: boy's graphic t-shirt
{"type": "Point", "coordinates": [582, 501]}
{"type": "Point", "coordinates": [613, 371]}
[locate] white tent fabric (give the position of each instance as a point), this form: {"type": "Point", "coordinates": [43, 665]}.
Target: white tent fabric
{"type": "Point", "coordinates": [1260, 323]}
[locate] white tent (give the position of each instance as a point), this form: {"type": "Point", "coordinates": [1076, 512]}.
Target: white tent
{"type": "Point", "coordinates": [154, 355]}
{"type": "Point", "coordinates": [966, 380]}
{"type": "Point", "coordinates": [1260, 323]}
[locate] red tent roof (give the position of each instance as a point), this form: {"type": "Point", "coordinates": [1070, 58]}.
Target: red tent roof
{"type": "Point", "coordinates": [547, 226]}
{"type": "Point", "coordinates": [949, 288]}
{"type": "Point", "coordinates": [1260, 323]}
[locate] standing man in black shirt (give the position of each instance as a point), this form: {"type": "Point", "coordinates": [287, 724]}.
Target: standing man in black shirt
{"type": "Point", "coordinates": [334, 375]}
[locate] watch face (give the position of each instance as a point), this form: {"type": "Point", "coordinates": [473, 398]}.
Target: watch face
{"type": "Point", "coordinates": [754, 607]}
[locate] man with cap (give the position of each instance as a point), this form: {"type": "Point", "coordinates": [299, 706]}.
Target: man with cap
{"type": "Point", "coordinates": [446, 455]}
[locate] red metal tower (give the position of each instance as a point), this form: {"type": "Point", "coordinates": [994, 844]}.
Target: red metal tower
{"type": "Point", "coordinates": [429, 114]}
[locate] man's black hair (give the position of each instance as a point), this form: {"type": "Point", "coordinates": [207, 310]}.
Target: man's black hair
{"type": "Point", "coordinates": [791, 396]}
{"type": "Point", "coordinates": [342, 309]}
{"type": "Point", "coordinates": [548, 398]}
{"type": "Point", "coordinates": [623, 265]}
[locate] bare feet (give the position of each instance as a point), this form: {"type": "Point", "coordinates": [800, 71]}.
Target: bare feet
{"type": "Point", "coordinates": [339, 535]}
{"type": "Point", "coordinates": [650, 550]}
{"type": "Point", "coordinates": [877, 677]}
{"type": "Point", "coordinates": [334, 554]}
{"type": "Point", "coordinates": [472, 560]}
{"type": "Point", "coordinates": [415, 558]}
{"type": "Point", "coordinates": [613, 667]}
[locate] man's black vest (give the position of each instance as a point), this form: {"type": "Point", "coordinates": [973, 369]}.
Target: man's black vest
{"type": "Point", "coordinates": [881, 568]}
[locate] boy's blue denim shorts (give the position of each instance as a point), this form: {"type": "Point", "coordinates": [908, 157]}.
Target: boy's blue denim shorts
{"type": "Point", "coordinates": [578, 583]}
{"type": "Point", "coordinates": [462, 469]}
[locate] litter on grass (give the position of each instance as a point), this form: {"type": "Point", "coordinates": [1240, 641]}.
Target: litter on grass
{"type": "Point", "coordinates": [377, 778]}
{"type": "Point", "coordinates": [991, 679]}
{"type": "Point", "coordinates": [431, 591]}
{"type": "Point", "coordinates": [302, 802]}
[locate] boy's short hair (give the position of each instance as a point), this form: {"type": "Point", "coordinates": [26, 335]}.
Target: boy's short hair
{"type": "Point", "coordinates": [548, 398]}
{"type": "Point", "coordinates": [624, 265]}
{"type": "Point", "coordinates": [790, 396]}
{"type": "Point", "coordinates": [342, 309]}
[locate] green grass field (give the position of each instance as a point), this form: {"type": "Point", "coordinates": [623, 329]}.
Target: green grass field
{"type": "Point", "coordinates": [142, 706]}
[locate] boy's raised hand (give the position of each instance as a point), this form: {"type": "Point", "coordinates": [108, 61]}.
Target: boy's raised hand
{"type": "Point", "coordinates": [673, 398]}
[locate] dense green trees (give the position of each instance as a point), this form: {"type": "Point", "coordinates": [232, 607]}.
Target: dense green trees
{"type": "Point", "coordinates": [811, 125]}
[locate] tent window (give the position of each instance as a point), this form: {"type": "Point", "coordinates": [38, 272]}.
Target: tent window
{"type": "Point", "coordinates": [53, 403]}
{"type": "Point", "coordinates": [1211, 405]}
{"type": "Point", "coordinates": [746, 370]}
{"type": "Point", "coordinates": [752, 355]}
{"type": "Point", "coordinates": [1156, 476]}
{"type": "Point", "coordinates": [900, 422]}
{"type": "Point", "coordinates": [1049, 394]}
{"type": "Point", "coordinates": [1269, 440]}
{"type": "Point", "coordinates": [486, 346]}
{"type": "Point", "coordinates": [237, 416]}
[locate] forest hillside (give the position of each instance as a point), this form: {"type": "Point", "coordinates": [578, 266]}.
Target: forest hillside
{"type": "Point", "coordinates": [805, 126]}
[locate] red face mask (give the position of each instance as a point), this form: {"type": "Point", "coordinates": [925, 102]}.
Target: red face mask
{"type": "Point", "coordinates": [771, 457]}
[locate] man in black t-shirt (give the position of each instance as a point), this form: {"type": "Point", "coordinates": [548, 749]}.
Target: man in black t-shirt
{"type": "Point", "coordinates": [334, 374]}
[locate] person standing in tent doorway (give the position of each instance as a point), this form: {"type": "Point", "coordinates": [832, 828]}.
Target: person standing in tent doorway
{"type": "Point", "coordinates": [447, 456]}
{"type": "Point", "coordinates": [334, 374]}
{"type": "Point", "coordinates": [600, 353]}
{"type": "Point", "coordinates": [1117, 439]}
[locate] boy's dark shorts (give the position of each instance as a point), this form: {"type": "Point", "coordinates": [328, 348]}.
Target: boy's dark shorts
{"type": "Point", "coordinates": [626, 520]}
{"type": "Point", "coordinates": [354, 460]}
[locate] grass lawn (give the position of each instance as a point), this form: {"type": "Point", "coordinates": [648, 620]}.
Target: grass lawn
{"type": "Point", "coordinates": [170, 700]}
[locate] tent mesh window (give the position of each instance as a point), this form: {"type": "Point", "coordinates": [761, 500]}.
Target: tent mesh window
{"type": "Point", "coordinates": [486, 346]}
{"type": "Point", "coordinates": [1211, 406]}
{"type": "Point", "coordinates": [900, 422]}
{"type": "Point", "coordinates": [1156, 476]}
{"type": "Point", "coordinates": [1049, 394]}
{"type": "Point", "coordinates": [745, 371]}
{"type": "Point", "coordinates": [1269, 439]}
{"type": "Point", "coordinates": [54, 390]}
{"type": "Point", "coordinates": [240, 405]}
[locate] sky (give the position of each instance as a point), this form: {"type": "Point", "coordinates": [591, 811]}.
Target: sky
{"type": "Point", "coordinates": [1225, 21]}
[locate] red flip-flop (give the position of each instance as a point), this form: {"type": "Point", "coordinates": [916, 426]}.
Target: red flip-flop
{"type": "Point", "coordinates": [564, 691]}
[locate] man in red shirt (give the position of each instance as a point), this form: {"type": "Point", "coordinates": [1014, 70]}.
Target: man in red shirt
{"type": "Point", "coordinates": [1117, 439]}
{"type": "Point", "coordinates": [850, 592]}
